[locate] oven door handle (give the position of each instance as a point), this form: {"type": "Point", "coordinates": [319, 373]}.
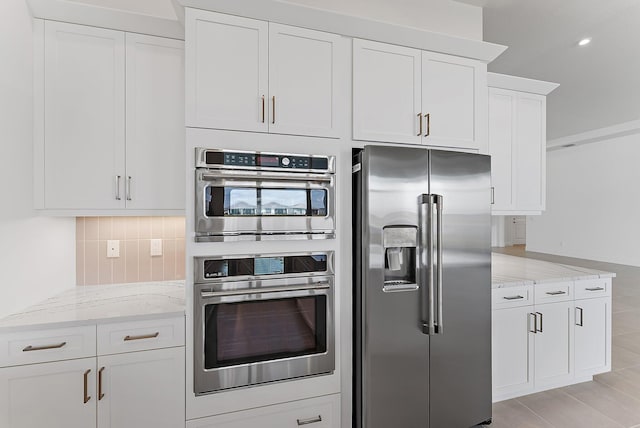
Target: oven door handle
{"type": "Point", "coordinates": [262, 176]}
{"type": "Point", "coordinates": [282, 289]}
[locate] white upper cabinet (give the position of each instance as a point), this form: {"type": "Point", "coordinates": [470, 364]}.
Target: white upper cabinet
{"type": "Point", "coordinates": [227, 71]}
{"type": "Point", "coordinates": [517, 143]}
{"type": "Point", "coordinates": [405, 95]}
{"type": "Point", "coordinates": [387, 87]}
{"type": "Point", "coordinates": [303, 76]}
{"type": "Point", "coordinates": [453, 100]}
{"type": "Point", "coordinates": [249, 75]}
{"type": "Point", "coordinates": [84, 134]}
{"type": "Point", "coordinates": [109, 121]}
{"type": "Point", "coordinates": [530, 147]}
{"type": "Point", "coordinates": [502, 105]}
{"type": "Point", "coordinates": [154, 123]}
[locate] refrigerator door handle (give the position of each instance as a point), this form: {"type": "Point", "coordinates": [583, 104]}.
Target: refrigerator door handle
{"type": "Point", "coordinates": [438, 204]}
{"type": "Point", "coordinates": [428, 265]}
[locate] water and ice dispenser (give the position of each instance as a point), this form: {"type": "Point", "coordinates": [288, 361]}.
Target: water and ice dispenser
{"type": "Point", "coordinates": [399, 242]}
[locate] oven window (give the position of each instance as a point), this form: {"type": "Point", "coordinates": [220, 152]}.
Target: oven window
{"type": "Point", "coordinates": [267, 202]}
{"type": "Point", "coordinates": [250, 332]}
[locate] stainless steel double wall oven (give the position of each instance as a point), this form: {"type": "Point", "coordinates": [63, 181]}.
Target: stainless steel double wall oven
{"type": "Point", "coordinates": [262, 319]}
{"type": "Point", "coordinates": [260, 196]}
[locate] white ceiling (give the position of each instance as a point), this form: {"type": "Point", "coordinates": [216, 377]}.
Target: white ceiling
{"type": "Point", "coordinates": [599, 83]}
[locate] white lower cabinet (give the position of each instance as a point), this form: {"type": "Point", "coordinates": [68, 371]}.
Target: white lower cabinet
{"type": "Point", "coordinates": [553, 344]}
{"type": "Point", "coordinates": [547, 345]}
{"type": "Point", "coordinates": [129, 389]}
{"type": "Point", "coordinates": [319, 412]}
{"type": "Point", "coordinates": [592, 336]}
{"type": "Point", "coordinates": [52, 395]}
{"type": "Point", "coordinates": [512, 361]}
{"type": "Point", "coordinates": [142, 389]}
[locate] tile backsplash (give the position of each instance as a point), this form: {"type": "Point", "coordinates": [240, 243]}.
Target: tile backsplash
{"type": "Point", "coordinates": [135, 263]}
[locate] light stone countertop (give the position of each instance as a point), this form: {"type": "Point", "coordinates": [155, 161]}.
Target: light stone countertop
{"type": "Point", "coordinates": [511, 271]}
{"type": "Point", "coordinates": [90, 304]}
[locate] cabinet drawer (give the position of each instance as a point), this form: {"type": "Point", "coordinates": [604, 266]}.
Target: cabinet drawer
{"type": "Point", "coordinates": [39, 346]}
{"type": "Point", "coordinates": [140, 335]}
{"type": "Point", "coordinates": [511, 297]}
{"type": "Point", "coordinates": [589, 288]}
{"type": "Point", "coordinates": [553, 292]}
{"type": "Point", "coordinates": [320, 412]}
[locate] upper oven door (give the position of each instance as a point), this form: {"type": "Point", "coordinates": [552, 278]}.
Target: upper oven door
{"type": "Point", "coordinates": [251, 332]}
{"type": "Point", "coordinates": [232, 205]}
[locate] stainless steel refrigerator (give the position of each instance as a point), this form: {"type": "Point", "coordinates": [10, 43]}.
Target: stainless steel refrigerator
{"type": "Point", "coordinates": [422, 288]}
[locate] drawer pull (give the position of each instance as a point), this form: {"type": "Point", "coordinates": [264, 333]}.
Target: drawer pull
{"type": "Point", "coordinates": [556, 293]}
{"type": "Point", "coordinates": [40, 348]}
{"type": "Point", "coordinates": [513, 297]}
{"type": "Point", "coordinates": [144, 336]}
{"type": "Point", "coordinates": [309, 421]}
{"type": "Point", "coordinates": [594, 289]}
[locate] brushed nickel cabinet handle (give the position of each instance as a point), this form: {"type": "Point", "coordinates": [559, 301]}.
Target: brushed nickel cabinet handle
{"type": "Point", "coordinates": [581, 323]}
{"type": "Point", "coordinates": [556, 293]}
{"type": "Point", "coordinates": [263, 118]}
{"type": "Point", "coordinates": [513, 297]}
{"type": "Point", "coordinates": [100, 394]}
{"type": "Point", "coordinates": [595, 289]}
{"type": "Point", "coordinates": [420, 122]}
{"type": "Point", "coordinates": [144, 336]}
{"type": "Point", "coordinates": [427, 117]}
{"type": "Point", "coordinates": [309, 421]}
{"type": "Point", "coordinates": [535, 320]}
{"type": "Point", "coordinates": [273, 110]}
{"type": "Point", "coordinates": [539, 330]}
{"type": "Point", "coordinates": [86, 386]}
{"type": "Point", "coordinates": [493, 195]}
{"type": "Point", "coordinates": [40, 348]}
{"type": "Point", "coordinates": [128, 190]}
{"type": "Point", "coordinates": [118, 188]}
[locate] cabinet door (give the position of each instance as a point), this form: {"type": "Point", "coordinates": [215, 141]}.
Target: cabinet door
{"type": "Point", "coordinates": [512, 352]}
{"type": "Point", "coordinates": [83, 117]}
{"type": "Point", "coordinates": [502, 104]}
{"type": "Point", "coordinates": [386, 93]}
{"type": "Point", "coordinates": [155, 123]}
{"type": "Point", "coordinates": [49, 395]}
{"type": "Point", "coordinates": [227, 71]}
{"type": "Point", "coordinates": [530, 153]}
{"type": "Point", "coordinates": [303, 76]}
{"type": "Point", "coordinates": [453, 96]}
{"type": "Point", "coordinates": [142, 389]}
{"type": "Point", "coordinates": [554, 344]}
{"type": "Point", "coordinates": [593, 336]}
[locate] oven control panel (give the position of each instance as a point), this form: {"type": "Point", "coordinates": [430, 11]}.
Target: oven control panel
{"type": "Point", "coordinates": [259, 266]}
{"type": "Point", "coordinates": [269, 160]}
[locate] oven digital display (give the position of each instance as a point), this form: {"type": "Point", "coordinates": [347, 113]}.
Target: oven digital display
{"type": "Point", "coordinates": [268, 161]}
{"type": "Point", "coordinates": [216, 268]}
{"type": "Point", "coordinates": [268, 265]}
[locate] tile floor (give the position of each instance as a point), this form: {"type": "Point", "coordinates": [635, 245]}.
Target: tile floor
{"type": "Point", "coordinates": [613, 399]}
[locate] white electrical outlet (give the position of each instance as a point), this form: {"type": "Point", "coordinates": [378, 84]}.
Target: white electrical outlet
{"type": "Point", "coordinates": [156, 247]}
{"type": "Point", "coordinates": [113, 248]}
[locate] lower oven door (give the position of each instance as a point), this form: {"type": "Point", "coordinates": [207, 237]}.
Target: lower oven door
{"type": "Point", "coordinates": [241, 205]}
{"type": "Point", "coordinates": [253, 332]}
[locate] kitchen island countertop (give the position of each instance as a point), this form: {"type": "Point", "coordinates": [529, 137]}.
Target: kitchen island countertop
{"type": "Point", "coordinates": [89, 304]}
{"type": "Point", "coordinates": [511, 271]}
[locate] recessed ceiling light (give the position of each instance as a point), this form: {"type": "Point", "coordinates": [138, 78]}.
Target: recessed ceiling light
{"type": "Point", "coordinates": [584, 42]}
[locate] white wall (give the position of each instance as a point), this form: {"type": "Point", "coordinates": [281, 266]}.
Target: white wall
{"type": "Point", "coordinates": [593, 203]}
{"type": "Point", "coordinates": [37, 255]}
{"type": "Point", "coordinates": [441, 16]}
